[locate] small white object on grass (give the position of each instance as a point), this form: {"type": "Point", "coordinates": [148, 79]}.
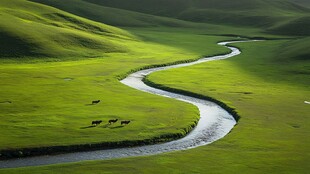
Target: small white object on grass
{"type": "Point", "coordinates": [306, 102]}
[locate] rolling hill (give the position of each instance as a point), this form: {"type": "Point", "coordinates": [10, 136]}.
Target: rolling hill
{"type": "Point", "coordinates": [68, 35]}
{"type": "Point", "coordinates": [176, 7]}
{"type": "Point", "coordinates": [29, 29]}
{"type": "Point", "coordinates": [45, 103]}
{"type": "Point", "coordinates": [273, 16]}
{"type": "Point", "coordinates": [302, 2]}
{"type": "Point", "coordinates": [114, 16]}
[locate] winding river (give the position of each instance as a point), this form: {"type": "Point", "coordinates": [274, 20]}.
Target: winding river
{"type": "Point", "coordinates": [214, 123]}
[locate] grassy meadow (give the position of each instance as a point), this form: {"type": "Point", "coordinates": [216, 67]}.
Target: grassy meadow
{"type": "Point", "coordinates": [55, 97]}
{"type": "Point", "coordinates": [58, 57]}
{"type": "Point", "coordinates": [271, 140]}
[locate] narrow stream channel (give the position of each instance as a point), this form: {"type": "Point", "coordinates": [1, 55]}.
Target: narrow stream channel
{"type": "Point", "coordinates": [214, 123]}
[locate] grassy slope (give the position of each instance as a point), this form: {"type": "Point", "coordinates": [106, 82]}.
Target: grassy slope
{"type": "Point", "coordinates": [302, 2]}
{"type": "Point", "coordinates": [273, 15]}
{"type": "Point", "coordinates": [275, 85]}
{"type": "Point", "coordinates": [32, 114]}
{"type": "Point", "coordinates": [62, 107]}
{"type": "Point", "coordinates": [173, 8]}
{"type": "Point", "coordinates": [114, 16]}
{"type": "Point", "coordinates": [131, 19]}
{"type": "Point", "coordinates": [295, 50]}
{"type": "Point", "coordinates": [271, 140]}
{"type": "Point", "coordinates": [297, 27]}
{"type": "Point", "coordinates": [255, 13]}
{"type": "Point", "coordinates": [65, 35]}
{"type": "Point", "coordinates": [236, 152]}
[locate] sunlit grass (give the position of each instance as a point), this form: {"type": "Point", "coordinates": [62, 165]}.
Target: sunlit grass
{"type": "Point", "coordinates": [273, 121]}
{"type": "Point", "coordinates": [55, 63]}
{"type": "Point", "coordinates": [50, 103]}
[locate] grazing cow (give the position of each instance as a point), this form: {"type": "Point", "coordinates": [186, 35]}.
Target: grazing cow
{"type": "Point", "coordinates": [125, 122]}
{"type": "Point", "coordinates": [96, 122]}
{"type": "Point", "coordinates": [112, 121]}
{"type": "Point", "coordinates": [95, 101]}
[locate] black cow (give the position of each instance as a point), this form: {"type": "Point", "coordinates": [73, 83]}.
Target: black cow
{"type": "Point", "coordinates": [96, 122]}
{"type": "Point", "coordinates": [95, 101]}
{"type": "Point", "coordinates": [112, 121]}
{"type": "Point", "coordinates": [125, 122]}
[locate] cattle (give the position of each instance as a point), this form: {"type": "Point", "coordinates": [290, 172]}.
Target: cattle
{"type": "Point", "coordinates": [112, 121]}
{"type": "Point", "coordinates": [95, 101]}
{"type": "Point", "coordinates": [96, 122]}
{"type": "Point", "coordinates": [125, 122]}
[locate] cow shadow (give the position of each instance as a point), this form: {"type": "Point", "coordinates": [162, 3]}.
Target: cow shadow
{"type": "Point", "coordinates": [87, 127]}
{"type": "Point", "coordinates": [6, 102]}
{"type": "Point", "coordinates": [116, 127]}
{"type": "Point", "coordinates": [105, 126]}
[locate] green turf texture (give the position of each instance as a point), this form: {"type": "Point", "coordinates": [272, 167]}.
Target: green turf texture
{"type": "Point", "coordinates": [48, 103]}
{"type": "Point", "coordinates": [271, 135]}
{"type": "Point", "coordinates": [276, 16]}
{"type": "Point", "coordinates": [267, 85]}
{"type": "Point", "coordinates": [302, 2]}
{"type": "Point", "coordinates": [114, 16]}
{"type": "Point", "coordinates": [44, 102]}
{"type": "Point", "coordinates": [273, 17]}
{"type": "Point", "coordinates": [30, 30]}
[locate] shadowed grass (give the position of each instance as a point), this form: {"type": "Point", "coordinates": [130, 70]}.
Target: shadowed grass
{"type": "Point", "coordinates": [115, 16]}
{"type": "Point", "coordinates": [247, 13]}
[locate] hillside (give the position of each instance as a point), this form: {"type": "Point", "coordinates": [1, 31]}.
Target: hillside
{"type": "Point", "coordinates": [302, 2]}
{"type": "Point", "coordinates": [296, 51]}
{"type": "Point", "coordinates": [251, 13]}
{"type": "Point", "coordinates": [298, 27]}
{"type": "Point", "coordinates": [58, 56]}
{"type": "Point", "coordinates": [29, 29]}
{"type": "Point", "coordinates": [67, 35]}
{"type": "Point", "coordinates": [176, 7]}
{"type": "Point", "coordinates": [114, 16]}
{"type": "Point", "coordinates": [275, 17]}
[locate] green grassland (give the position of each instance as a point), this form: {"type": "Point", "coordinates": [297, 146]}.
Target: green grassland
{"type": "Point", "coordinates": [114, 16]}
{"type": "Point", "coordinates": [32, 30]}
{"type": "Point", "coordinates": [55, 62]}
{"type": "Point", "coordinates": [270, 137]}
{"type": "Point", "coordinates": [70, 37]}
{"type": "Point", "coordinates": [45, 102]}
{"type": "Point", "coordinates": [273, 16]}
{"type": "Point", "coordinates": [302, 2]}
